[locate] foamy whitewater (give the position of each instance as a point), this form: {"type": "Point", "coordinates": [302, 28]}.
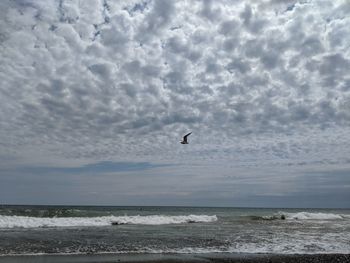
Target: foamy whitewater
{"type": "Point", "coordinates": [49, 229]}
{"type": "Point", "coordinates": [31, 222]}
{"type": "Point", "coordinates": [315, 216]}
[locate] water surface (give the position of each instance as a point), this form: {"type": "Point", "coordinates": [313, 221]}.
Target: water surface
{"type": "Point", "coordinates": [75, 230]}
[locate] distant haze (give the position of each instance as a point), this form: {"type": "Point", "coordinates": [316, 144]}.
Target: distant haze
{"type": "Point", "coordinates": [96, 95]}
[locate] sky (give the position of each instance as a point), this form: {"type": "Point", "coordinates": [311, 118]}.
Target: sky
{"type": "Point", "coordinates": [96, 95]}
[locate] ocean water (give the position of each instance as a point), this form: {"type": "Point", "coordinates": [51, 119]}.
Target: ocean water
{"type": "Point", "coordinates": [81, 230]}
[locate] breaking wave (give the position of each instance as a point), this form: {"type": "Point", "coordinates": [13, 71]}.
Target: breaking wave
{"type": "Point", "coordinates": [300, 216]}
{"type": "Point", "coordinates": [314, 216]}
{"type": "Point", "coordinates": [35, 222]}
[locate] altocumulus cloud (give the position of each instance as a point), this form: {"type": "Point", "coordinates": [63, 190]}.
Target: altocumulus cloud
{"type": "Point", "coordinates": [260, 83]}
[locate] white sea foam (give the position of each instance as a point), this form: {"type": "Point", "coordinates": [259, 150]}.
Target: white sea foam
{"type": "Point", "coordinates": [33, 222]}
{"type": "Point", "coordinates": [313, 216]}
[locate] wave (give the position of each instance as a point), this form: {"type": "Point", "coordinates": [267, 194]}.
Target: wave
{"type": "Point", "coordinates": [35, 222]}
{"type": "Point", "coordinates": [271, 217]}
{"type": "Point", "coordinates": [314, 216]}
{"type": "Point", "coordinates": [299, 216]}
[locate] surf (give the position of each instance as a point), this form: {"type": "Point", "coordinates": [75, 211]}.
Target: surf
{"type": "Point", "coordinates": [38, 222]}
{"type": "Point", "coordinates": [298, 216]}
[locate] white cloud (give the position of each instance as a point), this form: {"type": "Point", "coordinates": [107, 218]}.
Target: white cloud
{"type": "Point", "coordinates": [266, 81]}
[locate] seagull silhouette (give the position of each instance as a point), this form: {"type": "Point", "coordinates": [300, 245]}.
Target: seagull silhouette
{"type": "Point", "coordinates": [184, 140]}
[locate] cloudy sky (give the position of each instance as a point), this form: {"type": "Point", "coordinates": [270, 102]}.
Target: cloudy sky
{"type": "Point", "coordinates": [95, 96]}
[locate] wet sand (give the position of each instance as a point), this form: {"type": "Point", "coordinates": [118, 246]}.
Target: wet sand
{"type": "Point", "coordinates": [174, 258]}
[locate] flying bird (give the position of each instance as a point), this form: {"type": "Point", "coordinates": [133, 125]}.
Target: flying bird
{"type": "Point", "coordinates": [184, 140]}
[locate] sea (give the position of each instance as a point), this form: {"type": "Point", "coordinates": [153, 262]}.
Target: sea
{"type": "Point", "coordinates": [38, 230]}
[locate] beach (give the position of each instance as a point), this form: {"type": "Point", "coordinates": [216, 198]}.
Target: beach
{"type": "Point", "coordinates": [175, 131]}
{"type": "Point", "coordinates": [189, 258]}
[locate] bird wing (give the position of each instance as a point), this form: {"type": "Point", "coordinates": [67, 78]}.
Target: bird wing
{"type": "Point", "coordinates": [185, 137]}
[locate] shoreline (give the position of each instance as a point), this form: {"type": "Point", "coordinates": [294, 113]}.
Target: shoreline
{"type": "Point", "coordinates": [174, 258]}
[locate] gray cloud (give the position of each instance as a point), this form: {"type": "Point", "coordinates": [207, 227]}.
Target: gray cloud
{"type": "Point", "coordinates": [264, 82]}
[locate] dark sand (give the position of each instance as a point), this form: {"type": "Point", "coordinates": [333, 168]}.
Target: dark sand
{"type": "Point", "coordinates": [174, 258]}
